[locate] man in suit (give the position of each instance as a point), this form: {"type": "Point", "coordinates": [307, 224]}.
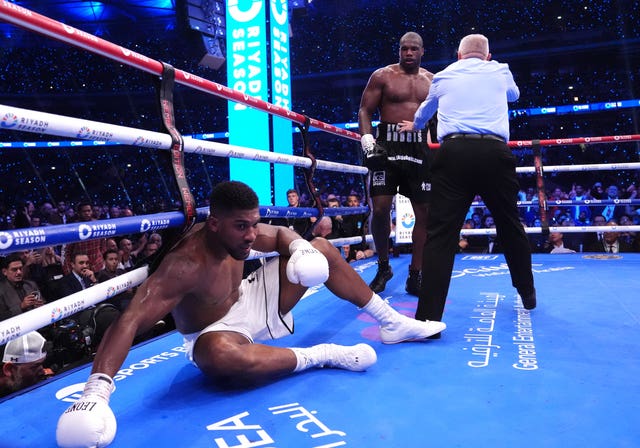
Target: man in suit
{"type": "Point", "coordinates": [17, 294]}
{"type": "Point", "coordinates": [96, 318]}
{"type": "Point", "coordinates": [93, 248]}
{"type": "Point", "coordinates": [80, 277]}
{"type": "Point", "coordinates": [610, 243]}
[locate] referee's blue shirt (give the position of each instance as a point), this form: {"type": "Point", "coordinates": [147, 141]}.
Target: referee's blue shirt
{"type": "Point", "coordinates": [471, 97]}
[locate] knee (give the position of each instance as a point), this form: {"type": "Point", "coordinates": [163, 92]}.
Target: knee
{"type": "Point", "coordinates": [325, 247]}
{"type": "Point", "coordinates": [219, 359]}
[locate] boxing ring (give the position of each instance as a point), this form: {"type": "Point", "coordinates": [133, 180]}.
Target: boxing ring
{"type": "Point", "coordinates": [562, 374]}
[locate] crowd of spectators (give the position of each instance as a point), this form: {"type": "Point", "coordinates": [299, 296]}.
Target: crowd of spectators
{"type": "Point", "coordinates": [32, 278]}
{"type": "Point", "coordinates": [512, 28]}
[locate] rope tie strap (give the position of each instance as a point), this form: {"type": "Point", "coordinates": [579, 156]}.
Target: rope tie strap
{"type": "Point", "coordinates": [309, 172]}
{"type": "Point", "coordinates": [164, 89]}
{"type": "Point", "coordinates": [542, 196]}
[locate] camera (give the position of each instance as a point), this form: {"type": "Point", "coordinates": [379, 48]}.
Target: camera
{"type": "Point", "coordinates": [69, 343]}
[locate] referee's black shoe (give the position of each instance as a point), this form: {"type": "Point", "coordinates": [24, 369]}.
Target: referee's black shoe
{"type": "Point", "coordinates": [383, 275]}
{"type": "Point", "coordinates": [414, 282]}
{"type": "Point", "coordinates": [529, 300]}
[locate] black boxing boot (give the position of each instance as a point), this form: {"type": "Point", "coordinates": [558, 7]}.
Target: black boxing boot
{"type": "Point", "coordinates": [383, 275]}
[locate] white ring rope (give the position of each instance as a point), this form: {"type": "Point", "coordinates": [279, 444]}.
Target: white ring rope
{"type": "Point", "coordinates": [587, 167]}
{"type": "Point", "coordinates": [25, 120]}
{"type": "Point", "coordinates": [62, 308]}
{"type": "Point", "coordinates": [561, 229]}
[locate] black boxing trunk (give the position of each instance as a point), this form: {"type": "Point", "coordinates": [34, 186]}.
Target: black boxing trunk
{"type": "Point", "coordinates": [407, 169]}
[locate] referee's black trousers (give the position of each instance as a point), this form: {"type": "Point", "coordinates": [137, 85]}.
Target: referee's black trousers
{"type": "Point", "coordinates": [463, 168]}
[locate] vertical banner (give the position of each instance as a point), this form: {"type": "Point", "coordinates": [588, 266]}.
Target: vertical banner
{"type": "Point", "coordinates": [405, 219]}
{"type": "Point", "coordinates": [280, 71]}
{"type": "Point", "coordinates": [247, 72]}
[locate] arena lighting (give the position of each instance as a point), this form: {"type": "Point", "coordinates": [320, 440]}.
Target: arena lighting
{"type": "Point", "coordinates": [296, 4]}
{"type": "Point", "coordinates": [88, 10]}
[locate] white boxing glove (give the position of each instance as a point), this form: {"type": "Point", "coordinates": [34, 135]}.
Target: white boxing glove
{"type": "Point", "coordinates": [368, 142]}
{"type": "Point", "coordinates": [307, 265]}
{"type": "Point", "coordinates": [375, 155]}
{"type": "Point", "coordinates": [89, 422]}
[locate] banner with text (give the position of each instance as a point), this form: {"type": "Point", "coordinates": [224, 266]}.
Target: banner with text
{"type": "Point", "coordinates": [405, 219]}
{"type": "Point", "coordinates": [247, 72]}
{"type": "Point", "coordinates": [280, 71]}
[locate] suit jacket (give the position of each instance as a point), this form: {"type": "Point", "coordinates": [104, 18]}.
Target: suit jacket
{"type": "Point", "coordinates": [104, 275]}
{"type": "Point", "coordinates": [601, 246]}
{"type": "Point", "coordinates": [68, 285]}
{"type": "Point", "coordinates": [10, 299]}
{"type": "Point", "coordinates": [479, 244]}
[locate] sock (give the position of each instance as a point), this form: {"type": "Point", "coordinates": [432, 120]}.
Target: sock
{"type": "Point", "coordinates": [380, 310]}
{"type": "Point", "coordinates": [309, 357]}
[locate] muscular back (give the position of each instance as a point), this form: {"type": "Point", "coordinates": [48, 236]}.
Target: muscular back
{"type": "Point", "coordinates": [395, 93]}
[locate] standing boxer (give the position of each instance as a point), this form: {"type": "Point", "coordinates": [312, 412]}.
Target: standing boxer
{"type": "Point", "coordinates": [397, 161]}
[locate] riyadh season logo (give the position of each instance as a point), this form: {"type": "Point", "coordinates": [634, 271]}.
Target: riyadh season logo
{"type": "Point", "coordinates": [9, 120]}
{"type": "Point", "coordinates": [111, 291]}
{"type": "Point", "coordinates": [407, 220]}
{"type": "Point", "coordinates": [154, 224]}
{"type": "Point", "coordinates": [138, 141]}
{"type": "Point", "coordinates": [6, 240]}
{"type": "Point", "coordinates": [84, 132]}
{"type": "Point", "coordinates": [84, 231]}
{"type": "Point", "coordinates": [56, 314]}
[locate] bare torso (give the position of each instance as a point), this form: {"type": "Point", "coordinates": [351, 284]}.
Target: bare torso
{"type": "Point", "coordinates": [197, 281]}
{"type": "Point", "coordinates": [402, 93]}
{"type": "Point", "coordinates": [395, 93]}
{"type": "Point", "coordinates": [211, 284]}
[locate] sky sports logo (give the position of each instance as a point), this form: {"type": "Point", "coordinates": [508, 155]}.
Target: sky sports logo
{"type": "Point", "coordinates": [72, 393]}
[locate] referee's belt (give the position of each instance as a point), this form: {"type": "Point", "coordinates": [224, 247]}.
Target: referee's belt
{"type": "Point", "coordinates": [473, 136]}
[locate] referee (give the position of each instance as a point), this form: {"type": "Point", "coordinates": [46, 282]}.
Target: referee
{"type": "Point", "coordinates": [471, 98]}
